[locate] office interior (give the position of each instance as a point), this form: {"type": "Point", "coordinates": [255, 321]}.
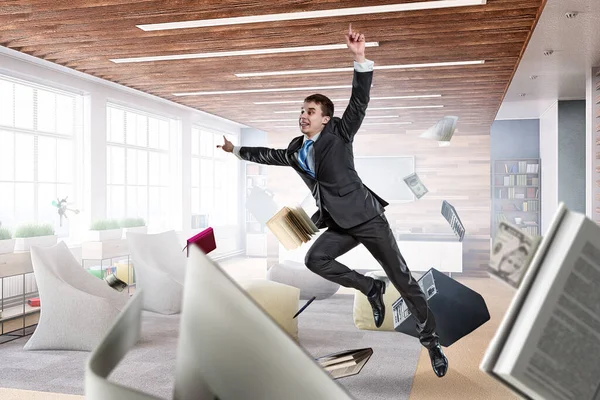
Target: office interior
{"type": "Point", "coordinates": [95, 143]}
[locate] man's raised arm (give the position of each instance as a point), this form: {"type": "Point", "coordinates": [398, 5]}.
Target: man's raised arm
{"type": "Point", "coordinates": [361, 86]}
{"type": "Point", "coordinates": [260, 155]}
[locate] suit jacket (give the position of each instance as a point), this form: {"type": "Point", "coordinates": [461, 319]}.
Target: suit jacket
{"type": "Point", "coordinates": [336, 186]}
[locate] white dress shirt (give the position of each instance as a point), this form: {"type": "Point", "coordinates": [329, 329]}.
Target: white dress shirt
{"type": "Point", "coordinates": [365, 66]}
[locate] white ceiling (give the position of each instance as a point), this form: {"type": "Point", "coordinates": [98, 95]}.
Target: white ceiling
{"type": "Point", "coordinates": [562, 75]}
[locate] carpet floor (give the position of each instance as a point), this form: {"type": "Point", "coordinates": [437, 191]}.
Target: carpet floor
{"type": "Point", "coordinates": [325, 327]}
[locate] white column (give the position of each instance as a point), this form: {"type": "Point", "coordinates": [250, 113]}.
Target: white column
{"type": "Point", "coordinates": [590, 126]}
{"type": "Point", "coordinates": [549, 161]}
{"type": "Point", "coordinates": [186, 173]}
{"type": "Point", "coordinates": [95, 160]}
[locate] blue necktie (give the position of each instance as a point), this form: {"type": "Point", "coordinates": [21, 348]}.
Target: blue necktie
{"type": "Point", "coordinates": [302, 157]}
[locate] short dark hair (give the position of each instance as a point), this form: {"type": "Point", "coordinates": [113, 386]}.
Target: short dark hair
{"type": "Point", "coordinates": [324, 101]}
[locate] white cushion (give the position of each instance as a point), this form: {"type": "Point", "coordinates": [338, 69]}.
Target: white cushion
{"type": "Point", "coordinates": [298, 275]}
{"type": "Point", "coordinates": [278, 300]}
{"type": "Point", "coordinates": [363, 313]}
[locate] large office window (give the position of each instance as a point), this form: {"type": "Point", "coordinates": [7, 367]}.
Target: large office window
{"type": "Point", "coordinates": [214, 178]}
{"type": "Point", "coordinates": [40, 128]}
{"type": "Point", "coordinates": [138, 166]}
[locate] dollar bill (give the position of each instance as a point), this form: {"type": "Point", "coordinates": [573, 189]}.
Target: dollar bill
{"type": "Point", "coordinates": [415, 185]}
{"type": "Point", "coordinates": [442, 131]}
{"type": "Point", "coordinates": [512, 251]}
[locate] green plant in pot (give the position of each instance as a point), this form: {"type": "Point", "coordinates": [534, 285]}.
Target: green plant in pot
{"type": "Point", "coordinates": [7, 243]}
{"type": "Point", "coordinates": [137, 225]}
{"type": "Point", "coordinates": [104, 229]}
{"type": "Point", "coordinates": [28, 235]}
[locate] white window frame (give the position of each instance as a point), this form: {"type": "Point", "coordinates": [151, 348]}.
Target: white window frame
{"type": "Point", "coordinates": [223, 211]}
{"type": "Point", "coordinates": [8, 123]}
{"type": "Point", "coordinates": [164, 185]}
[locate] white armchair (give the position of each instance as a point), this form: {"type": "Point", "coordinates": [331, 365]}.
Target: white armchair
{"type": "Point", "coordinates": [159, 264]}
{"type": "Point", "coordinates": [77, 309]}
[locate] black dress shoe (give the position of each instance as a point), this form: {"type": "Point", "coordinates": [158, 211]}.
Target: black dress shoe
{"type": "Point", "coordinates": [376, 301]}
{"type": "Point", "coordinates": [439, 362]}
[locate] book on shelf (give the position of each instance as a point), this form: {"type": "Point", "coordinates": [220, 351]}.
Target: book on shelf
{"type": "Point", "coordinates": [34, 302]}
{"type": "Point", "coordinates": [292, 227]}
{"type": "Point", "coordinates": [548, 344]}
{"type": "Point", "coordinates": [521, 167]}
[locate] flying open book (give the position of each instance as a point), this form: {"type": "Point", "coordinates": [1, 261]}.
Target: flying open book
{"type": "Point", "coordinates": [345, 363]}
{"type": "Point", "coordinates": [292, 227]}
{"type": "Point", "coordinates": [548, 344]}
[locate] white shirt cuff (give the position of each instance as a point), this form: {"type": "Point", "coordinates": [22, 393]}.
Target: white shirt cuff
{"type": "Point", "coordinates": [236, 151]}
{"type": "Point", "coordinates": [365, 66]}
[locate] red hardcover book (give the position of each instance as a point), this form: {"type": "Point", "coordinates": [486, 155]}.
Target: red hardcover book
{"type": "Point", "coordinates": [35, 302]}
{"type": "Point", "coordinates": [205, 240]}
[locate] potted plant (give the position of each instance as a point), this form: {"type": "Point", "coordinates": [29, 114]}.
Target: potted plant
{"type": "Point", "coordinates": [7, 243]}
{"type": "Point", "coordinates": [104, 229]}
{"type": "Point", "coordinates": [137, 225]}
{"type": "Point", "coordinates": [34, 235]}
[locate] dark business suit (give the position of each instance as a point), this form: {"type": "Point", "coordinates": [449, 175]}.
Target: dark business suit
{"type": "Point", "coordinates": [352, 212]}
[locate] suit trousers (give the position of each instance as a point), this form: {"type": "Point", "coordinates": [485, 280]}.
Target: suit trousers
{"type": "Point", "coordinates": [376, 235]}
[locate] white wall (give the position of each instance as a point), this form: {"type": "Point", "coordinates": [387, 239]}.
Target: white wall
{"type": "Point", "coordinates": [549, 161]}
{"type": "Point", "coordinates": [96, 93]}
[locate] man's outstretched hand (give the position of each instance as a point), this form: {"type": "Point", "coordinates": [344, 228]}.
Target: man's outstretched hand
{"type": "Point", "coordinates": [356, 44]}
{"type": "Point", "coordinates": [227, 146]}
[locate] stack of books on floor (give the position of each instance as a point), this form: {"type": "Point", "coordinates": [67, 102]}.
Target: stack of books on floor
{"type": "Point", "coordinates": [292, 227]}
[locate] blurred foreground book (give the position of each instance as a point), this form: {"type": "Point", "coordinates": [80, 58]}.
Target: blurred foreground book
{"type": "Point", "coordinates": [548, 344]}
{"type": "Point", "coordinates": [292, 227]}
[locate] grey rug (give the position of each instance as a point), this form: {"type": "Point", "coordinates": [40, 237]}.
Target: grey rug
{"type": "Point", "coordinates": [325, 327]}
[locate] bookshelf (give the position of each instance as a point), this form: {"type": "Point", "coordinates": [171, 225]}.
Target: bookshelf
{"type": "Point", "coordinates": [256, 235]}
{"type": "Point", "coordinates": [596, 158]}
{"type": "Point", "coordinates": [516, 189]}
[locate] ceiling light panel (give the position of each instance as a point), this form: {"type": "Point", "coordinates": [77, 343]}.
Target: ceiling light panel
{"type": "Point", "coordinates": [237, 53]}
{"type": "Point", "coordinates": [348, 69]}
{"type": "Point", "coordinates": [340, 12]}
{"type": "Point", "coordinates": [425, 96]}
{"type": "Point", "coordinates": [219, 92]}
{"type": "Point", "coordinates": [403, 107]}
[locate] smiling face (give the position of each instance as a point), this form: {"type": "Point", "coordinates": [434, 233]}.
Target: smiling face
{"type": "Point", "coordinates": [311, 119]}
{"type": "Point", "coordinates": [315, 114]}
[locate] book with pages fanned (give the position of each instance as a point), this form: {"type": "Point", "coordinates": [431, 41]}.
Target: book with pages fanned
{"type": "Point", "coordinates": [292, 227]}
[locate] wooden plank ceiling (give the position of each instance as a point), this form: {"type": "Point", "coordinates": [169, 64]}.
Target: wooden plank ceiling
{"type": "Point", "coordinates": [86, 34]}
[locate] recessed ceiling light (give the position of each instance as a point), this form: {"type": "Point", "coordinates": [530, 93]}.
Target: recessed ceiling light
{"type": "Point", "coordinates": [261, 90]}
{"type": "Point", "coordinates": [351, 11]}
{"type": "Point", "coordinates": [347, 69]}
{"type": "Point", "coordinates": [237, 53]}
{"type": "Point", "coordinates": [571, 14]}
{"type": "Point", "coordinates": [403, 107]}
{"type": "Point", "coordinates": [425, 96]}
